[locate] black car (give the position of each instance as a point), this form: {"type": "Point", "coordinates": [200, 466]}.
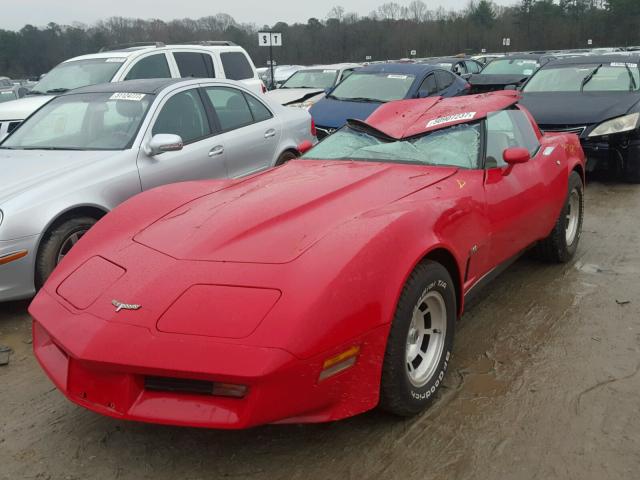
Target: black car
{"type": "Point", "coordinates": [511, 70]}
{"type": "Point", "coordinates": [598, 98]}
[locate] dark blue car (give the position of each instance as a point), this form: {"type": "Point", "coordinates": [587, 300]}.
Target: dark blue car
{"type": "Point", "coordinates": [367, 88]}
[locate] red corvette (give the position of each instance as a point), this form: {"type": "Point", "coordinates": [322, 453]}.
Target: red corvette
{"type": "Point", "coordinates": [317, 290]}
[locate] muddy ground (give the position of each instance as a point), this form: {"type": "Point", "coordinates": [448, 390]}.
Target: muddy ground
{"type": "Point", "coordinates": [544, 384]}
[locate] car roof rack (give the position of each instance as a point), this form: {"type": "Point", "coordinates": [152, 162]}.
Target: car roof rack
{"type": "Point", "coordinates": [132, 45]}
{"type": "Point", "coordinates": [211, 43]}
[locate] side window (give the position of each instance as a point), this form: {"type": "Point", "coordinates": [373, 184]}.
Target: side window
{"type": "Point", "coordinates": [258, 110]}
{"type": "Point", "coordinates": [231, 107]}
{"type": "Point", "coordinates": [444, 79]}
{"type": "Point", "coordinates": [153, 66]}
{"type": "Point", "coordinates": [184, 115]}
{"type": "Point", "coordinates": [506, 129]}
{"type": "Point", "coordinates": [472, 67]}
{"type": "Point", "coordinates": [236, 66]}
{"type": "Point", "coordinates": [459, 68]}
{"type": "Point", "coordinates": [346, 74]}
{"type": "Point", "coordinates": [193, 64]}
{"type": "Point", "coordinates": [429, 86]}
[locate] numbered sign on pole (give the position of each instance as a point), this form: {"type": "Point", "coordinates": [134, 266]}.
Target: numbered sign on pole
{"type": "Point", "coordinates": [276, 39]}
{"type": "Point", "coordinates": [269, 39]}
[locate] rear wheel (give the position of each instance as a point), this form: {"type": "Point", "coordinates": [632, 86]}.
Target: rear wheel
{"type": "Point", "coordinates": [561, 245]}
{"type": "Point", "coordinates": [420, 341]}
{"type": "Point", "coordinates": [57, 243]}
{"type": "Point", "coordinates": [285, 157]}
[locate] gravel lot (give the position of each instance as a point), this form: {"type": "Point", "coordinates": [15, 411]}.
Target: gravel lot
{"type": "Point", "coordinates": [544, 384]}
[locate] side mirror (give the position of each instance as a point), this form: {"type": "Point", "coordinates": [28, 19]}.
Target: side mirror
{"type": "Point", "coordinates": [511, 87]}
{"type": "Point", "coordinates": [515, 155]}
{"type": "Point", "coordinates": [304, 147]}
{"type": "Point", "coordinates": [162, 143]}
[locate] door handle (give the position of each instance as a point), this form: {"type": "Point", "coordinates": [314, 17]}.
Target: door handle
{"type": "Point", "coordinates": [270, 133]}
{"type": "Point", "coordinates": [217, 150]}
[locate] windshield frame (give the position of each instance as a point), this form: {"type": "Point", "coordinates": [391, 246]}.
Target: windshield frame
{"type": "Point", "coordinates": [362, 127]}
{"type": "Point", "coordinates": [144, 120]}
{"type": "Point", "coordinates": [588, 66]}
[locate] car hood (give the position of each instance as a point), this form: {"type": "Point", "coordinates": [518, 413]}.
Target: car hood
{"type": "Point", "coordinates": [22, 108]}
{"type": "Point", "coordinates": [277, 216]}
{"type": "Point", "coordinates": [332, 113]}
{"type": "Point", "coordinates": [27, 169]}
{"type": "Point", "coordinates": [285, 96]}
{"type": "Point", "coordinates": [501, 80]}
{"type": "Point", "coordinates": [574, 108]}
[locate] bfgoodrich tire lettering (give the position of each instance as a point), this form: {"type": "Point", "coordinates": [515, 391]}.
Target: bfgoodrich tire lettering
{"type": "Point", "coordinates": [406, 389]}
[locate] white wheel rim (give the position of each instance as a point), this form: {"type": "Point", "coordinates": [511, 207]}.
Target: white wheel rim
{"type": "Point", "coordinates": [426, 338]}
{"type": "Point", "coordinates": [573, 216]}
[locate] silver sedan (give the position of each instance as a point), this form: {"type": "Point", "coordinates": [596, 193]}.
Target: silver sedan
{"type": "Point", "coordinates": [85, 152]}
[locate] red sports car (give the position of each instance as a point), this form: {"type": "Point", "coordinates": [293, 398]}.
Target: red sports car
{"type": "Point", "coordinates": [317, 290]}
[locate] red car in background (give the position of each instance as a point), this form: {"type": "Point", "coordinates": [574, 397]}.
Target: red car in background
{"type": "Point", "coordinates": [317, 290]}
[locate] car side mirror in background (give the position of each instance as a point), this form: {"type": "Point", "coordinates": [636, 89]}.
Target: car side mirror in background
{"type": "Point", "coordinates": [515, 155]}
{"type": "Point", "coordinates": [304, 147]}
{"type": "Point", "coordinates": [162, 143]}
{"type": "Point", "coordinates": [511, 87]}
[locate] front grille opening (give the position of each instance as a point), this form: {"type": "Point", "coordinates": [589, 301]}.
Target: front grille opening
{"type": "Point", "coordinates": [178, 385]}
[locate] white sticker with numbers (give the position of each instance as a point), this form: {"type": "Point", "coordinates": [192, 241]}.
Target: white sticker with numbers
{"type": "Point", "coordinates": [132, 97]}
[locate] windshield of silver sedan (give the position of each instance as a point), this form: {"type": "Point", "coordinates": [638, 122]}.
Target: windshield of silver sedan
{"type": "Point", "coordinates": [457, 146]}
{"type": "Point", "coordinates": [88, 121]}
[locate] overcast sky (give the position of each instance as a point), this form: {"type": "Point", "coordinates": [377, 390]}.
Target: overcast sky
{"type": "Point", "coordinates": [14, 14]}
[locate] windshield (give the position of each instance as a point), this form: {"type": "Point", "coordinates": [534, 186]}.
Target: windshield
{"type": "Point", "coordinates": [612, 77]}
{"type": "Point", "coordinates": [376, 87]}
{"type": "Point", "coordinates": [89, 121]}
{"type": "Point", "coordinates": [513, 66]}
{"type": "Point", "coordinates": [7, 95]}
{"type": "Point", "coordinates": [321, 79]}
{"type": "Point", "coordinates": [454, 146]}
{"type": "Point", "coordinates": [78, 73]}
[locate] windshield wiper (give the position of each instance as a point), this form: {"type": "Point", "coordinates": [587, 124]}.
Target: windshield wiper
{"type": "Point", "coordinates": [588, 78]}
{"type": "Point", "coordinates": [58, 90]}
{"type": "Point", "coordinates": [363, 99]}
{"type": "Point", "coordinates": [35, 92]}
{"type": "Point", "coordinates": [632, 81]}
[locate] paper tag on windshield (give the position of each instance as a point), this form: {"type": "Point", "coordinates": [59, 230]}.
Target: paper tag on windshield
{"type": "Point", "coordinates": [528, 72]}
{"type": "Point", "coordinates": [115, 60]}
{"type": "Point", "coordinates": [630, 65]}
{"type": "Point", "coordinates": [398, 77]}
{"type": "Point", "coordinates": [328, 71]}
{"type": "Point", "coordinates": [527, 62]}
{"type": "Point", "coordinates": [133, 97]}
{"type": "Point", "coordinates": [451, 118]}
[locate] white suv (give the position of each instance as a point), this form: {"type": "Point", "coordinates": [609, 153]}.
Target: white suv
{"type": "Point", "coordinates": [132, 62]}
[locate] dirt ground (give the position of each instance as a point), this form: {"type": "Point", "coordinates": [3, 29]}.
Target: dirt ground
{"type": "Point", "coordinates": [544, 384]}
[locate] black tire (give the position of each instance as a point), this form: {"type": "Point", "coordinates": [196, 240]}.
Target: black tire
{"type": "Point", "coordinates": [285, 157]}
{"type": "Point", "coordinates": [54, 241]}
{"type": "Point", "coordinates": [398, 394]}
{"type": "Point", "coordinates": [555, 248]}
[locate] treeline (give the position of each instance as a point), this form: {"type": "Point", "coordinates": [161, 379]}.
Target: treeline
{"type": "Point", "coordinates": [390, 31]}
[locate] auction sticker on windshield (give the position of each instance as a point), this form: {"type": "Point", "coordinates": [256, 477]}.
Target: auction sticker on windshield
{"type": "Point", "coordinates": [623, 65]}
{"type": "Point", "coordinates": [397, 77]}
{"type": "Point", "coordinates": [451, 118]}
{"type": "Point", "coordinates": [115, 60]}
{"type": "Point", "coordinates": [133, 97]}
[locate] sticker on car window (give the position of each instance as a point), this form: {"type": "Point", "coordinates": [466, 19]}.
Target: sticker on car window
{"type": "Point", "coordinates": [528, 71]}
{"type": "Point", "coordinates": [451, 118]}
{"type": "Point", "coordinates": [115, 60]}
{"type": "Point", "coordinates": [527, 62]}
{"type": "Point", "coordinates": [132, 97]}
{"type": "Point", "coordinates": [328, 71]}
{"type": "Point", "coordinates": [397, 77]}
{"type": "Point", "coordinates": [623, 65]}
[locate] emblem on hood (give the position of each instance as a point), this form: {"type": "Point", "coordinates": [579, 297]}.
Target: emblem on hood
{"type": "Point", "coordinates": [124, 306]}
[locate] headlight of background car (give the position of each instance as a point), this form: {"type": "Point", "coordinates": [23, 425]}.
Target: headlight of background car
{"type": "Point", "coordinates": [617, 125]}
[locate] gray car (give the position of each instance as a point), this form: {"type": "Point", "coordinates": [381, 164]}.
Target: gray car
{"type": "Point", "coordinates": [85, 152]}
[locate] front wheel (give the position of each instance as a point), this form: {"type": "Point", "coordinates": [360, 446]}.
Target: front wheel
{"type": "Point", "coordinates": [57, 243]}
{"type": "Point", "coordinates": [561, 245]}
{"type": "Point", "coordinates": [420, 341]}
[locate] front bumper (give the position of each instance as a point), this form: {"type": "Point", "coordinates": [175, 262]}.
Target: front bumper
{"type": "Point", "coordinates": [102, 366]}
{"type": "Point", "coordinates": [17, 277]}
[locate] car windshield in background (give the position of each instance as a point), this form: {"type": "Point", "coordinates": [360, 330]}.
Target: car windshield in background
{"type": "Point", "coordinates": [321, 79]}
{"type": "Point", "coordinates": [7, 96]}
{"type": "Point", "coordinates": [513, 66]}
{"type": "Point", "coordinates": [89, 121]}
{"type": "Point", "coordinates": [610, 77]}
{"type": "Point", "coordinates": [79, 73]}
{"type": "Point", "coordinates": [454, 146]}
{"type": "Point", "coordinates": [376, 87]}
